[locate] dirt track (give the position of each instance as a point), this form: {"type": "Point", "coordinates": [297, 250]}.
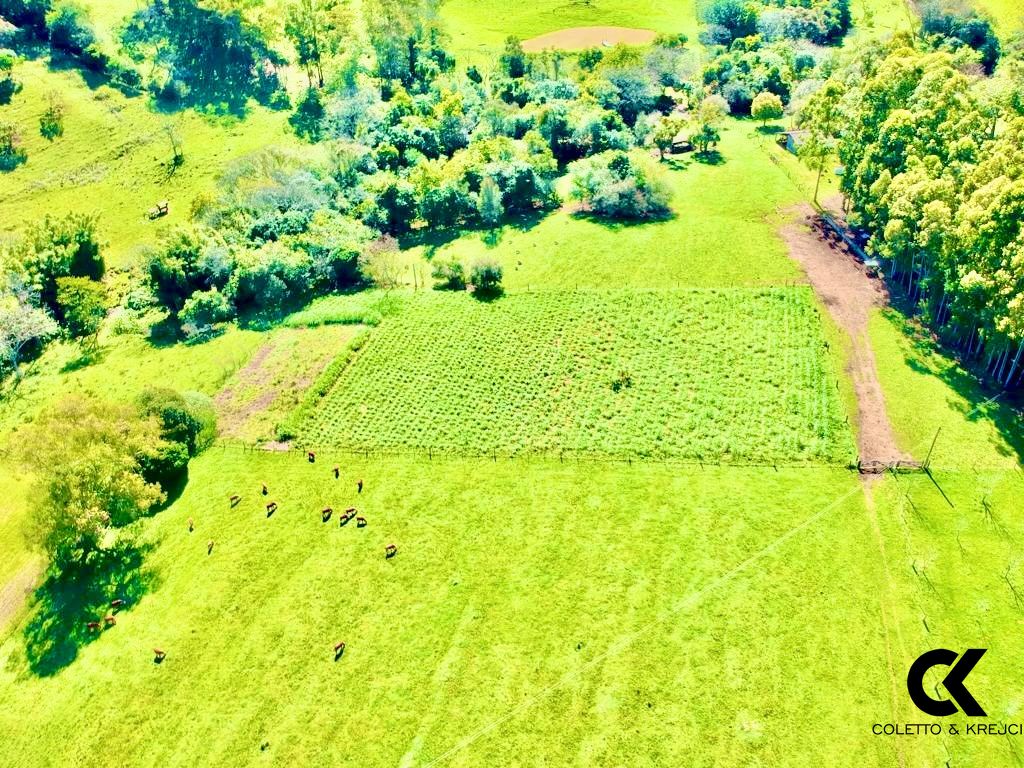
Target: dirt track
{"type": "Point", "coordinates": [849, 294]}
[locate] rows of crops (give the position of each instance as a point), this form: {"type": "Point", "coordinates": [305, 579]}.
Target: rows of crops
{"type": "Point", "coordinates": [737, 374]}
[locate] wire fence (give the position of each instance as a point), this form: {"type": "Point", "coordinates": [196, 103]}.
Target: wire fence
{"type": "Point", "coordinates": [562, 456]}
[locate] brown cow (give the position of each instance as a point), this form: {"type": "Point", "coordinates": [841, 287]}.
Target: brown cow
{"type": "Point", "coordinates": [326, 513]}
{"type": "Point", "coordinates": [339, 649]}
{"type": "Point", "coordinates": [119, 603]}
{"type": "Point", "coordinates": [359, 486]}
{"type": "Point", "coordinates": [337, 472]}
{"type": "Point", "coordinates": [191, 525]}
{"type": "Point", "coordinates": [271, 508]}
{"type": "Point", "coordinates": [93, 625]}
{"type": "Point", "coordinates": [345, 518]}
{"type": "Point", "coordinates": [265, 489]}
{"type": "Point", "coordinates": [311, 456]}
{"type": "Point", "coordinates": [209, 546]}
{"type": "Point", "coordinates": [234, 499]}
{"type": "Point", "coordinates": [360, 522]}
{"type": "Point", "coordinates": [390, 551]}
{"type": "Point", "coordinates": [110, 620]}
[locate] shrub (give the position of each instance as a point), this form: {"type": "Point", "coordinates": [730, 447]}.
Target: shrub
{"type": "Point", "coordinates": [203, 310]}
{"type": "Point", "coordinates": [486, 276]}
{"type": "Point", "coordinates": [187, 419]}
{"type": "Point", "coordinates": [616, 186]}
{"type": "Point", "coordinates": [81, 305]}
{"type": "Point", "coordinates": [70, 28]}
{"type": "Point", "coordinates": [449, 275]}
{"type": "Point", "coordinates": [51, 123]}
{"type": "Point", "coordinates": [12, 153]}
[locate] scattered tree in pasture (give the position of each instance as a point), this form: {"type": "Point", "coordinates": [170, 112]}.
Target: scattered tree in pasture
{"type": "Point", "coordinates": [51, 122]}
{"type": "Point", "coordinates": [22, 325]}
{"type": "Point", "coordinates": [177, 146]}
{"type": "Point", "coordinates": [12, 151]}
{"type": "Point", "coordinates": [449, 275]}
{"type": "Point", "coordinates": [81, 306]}
{"type": "Point", "coordinates": [86, 457]}
{"type": "Point", "coordinates": [822, 116]}
{"type": "Point", "coordinates": [766, 106]}
{"type": "Point", "coordinates": [9, 85]}
{"type": "Point", "coordinates": [485, 275]}
{"type": "Point", "coordinates": [665, 133]}
{"type": "Point", "coordinates": [616, 186]}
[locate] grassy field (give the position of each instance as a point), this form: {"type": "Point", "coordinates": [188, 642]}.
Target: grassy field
{"type": "Point", "coordinates": [484, 24]}
{"type": "Point", "coordinates": [724, 231]}
{"type": "Point", "coordinates": [689, 644]}
{"type": "Point", "coordinates": [114, 158]}
{"type": "Point", "coordinates": [950, 545]}
{"type": "Point", "coordinates": [1009, 14]}
{"type": "Point", "coordinates": [739, 374]}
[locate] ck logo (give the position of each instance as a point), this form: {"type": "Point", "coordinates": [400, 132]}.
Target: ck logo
{"type": "Point", "coordinates": [953, 682]}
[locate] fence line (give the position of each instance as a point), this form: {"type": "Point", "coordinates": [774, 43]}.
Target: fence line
{"type": "Point", "coordinates": [551, 455]}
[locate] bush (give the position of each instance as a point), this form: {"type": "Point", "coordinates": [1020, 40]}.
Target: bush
{"type": "Point", "coordinates": [449, 275]}
{"type": "Point", "coordinates": [486, 275]}
{"type": "Point", "coordinates": [203, 310]}
{"type": "Point", "coordinates": [81, 306]}
{"type": "Point", "coordinates": [12, 153]}
{"type": "Point", "coordinates": [616, 186]}
{"type": "Point", "coordinates": [70, 28]}
{"type": "Point", "coordinates": [51, 123]}
{"type": "Point", "coordinates": [186, 419]}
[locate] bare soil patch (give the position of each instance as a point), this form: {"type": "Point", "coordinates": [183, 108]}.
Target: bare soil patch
{"type": "Point", "coordinates": [577, 38]}
{"type": "Point", "coordinates": [17, 589]}
{"type": "Point", "coordinates": [843, 285]}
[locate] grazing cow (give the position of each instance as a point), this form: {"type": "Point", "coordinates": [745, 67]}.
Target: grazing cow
{"type": "Point", "coordinates": [158, 655]}
{"type": "Point", "coordinates": [93, 625]}
{"type": "Point", "coordinates": [191, 525]}
{"type": "Point", "coordinates": [209, 546]}
{"type": "Point", "coordinates": [350, 511]}
{"type": "Point", "coordinates": [326, 513]}
{"type": "Point", "coordinates": [360, 522]}
{"type": "Point", "coordinates": [235, 498]}
{"type": "Point", "coordinates": [271, 508]}
{"type": "Point", "coordinates": [337, 472]}
{"type": "Point", "coordinates": [311, 456]}
{"type": "Point", "coordinates": [265, 489]}
{"type": "Point", "coordinates": [359, 486]}
{"type": "Point", "coordinates": [110, 620]}
{"type": "Point", "coordinates": [345, 518]}
{"type": "Point", "coordinates": [390, 551]}
{"type": "Point", "coordinates": [117, 603]}
{"type": "Point", "coordinates": [338, 650]}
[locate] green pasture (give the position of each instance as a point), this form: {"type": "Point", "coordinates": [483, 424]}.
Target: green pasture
{"type": "Point", "coordinates": [724, 230]}
{"type": "Point", "coordinates": [688, 616]}
{"type": "Point", "coordinates": [484, 24]}
{"type": "Point", "coordinates": [711, 374]}
{"type": "Point", "coordinates": [114, 158]}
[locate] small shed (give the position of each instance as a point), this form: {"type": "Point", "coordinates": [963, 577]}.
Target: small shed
{"type": "Point", "coordinates": [792, 140]}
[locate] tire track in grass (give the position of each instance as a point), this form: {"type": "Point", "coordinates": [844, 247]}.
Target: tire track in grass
{"type": "Point", "coordinates": [442, 674]}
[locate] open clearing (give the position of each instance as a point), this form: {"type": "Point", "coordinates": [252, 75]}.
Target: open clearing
{"type": "Point", "coordinates": [739, 374]}
{"type": "Point", "coordinates": [578, 38]}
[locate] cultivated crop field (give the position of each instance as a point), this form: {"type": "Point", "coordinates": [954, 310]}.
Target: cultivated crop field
{"type": "Point", "coordinates": [712, 374]}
